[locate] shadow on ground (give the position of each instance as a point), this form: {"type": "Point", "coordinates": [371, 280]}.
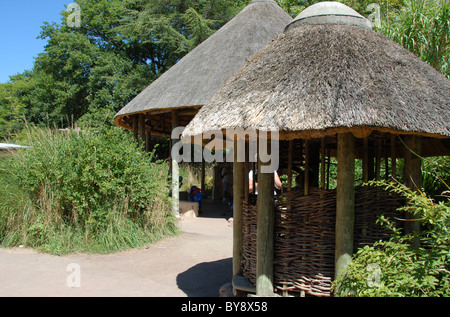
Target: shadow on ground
{"type": "Point", "coordinates": [205, 279]}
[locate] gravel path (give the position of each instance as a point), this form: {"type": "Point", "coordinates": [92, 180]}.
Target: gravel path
{"type": "Point", "coordinates": [195, 263]}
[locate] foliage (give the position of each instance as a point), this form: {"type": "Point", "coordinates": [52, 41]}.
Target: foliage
{"type": "Point", "coordinates": [96, 188]}
{"type": "Point", "coordinates": [423, 27]}
{"type": "Point", "coordinates": [397, 267]}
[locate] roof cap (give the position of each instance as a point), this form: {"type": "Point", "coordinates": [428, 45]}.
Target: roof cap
{"type": "Point", "coordinates": [329, 12]}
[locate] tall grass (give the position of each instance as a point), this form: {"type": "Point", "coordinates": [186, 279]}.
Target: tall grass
{"type": "Point", "coordinates": [83, 192]}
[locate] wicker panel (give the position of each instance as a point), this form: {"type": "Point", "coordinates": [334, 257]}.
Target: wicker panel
{"type": "Point", "coordinates": [305, 235]}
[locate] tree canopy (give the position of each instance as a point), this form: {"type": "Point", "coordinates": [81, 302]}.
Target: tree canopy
{"type": "Point", "coordinates": [87, 73]}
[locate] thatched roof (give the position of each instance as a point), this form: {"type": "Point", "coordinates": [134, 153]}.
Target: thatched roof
{"type": "Point", "coordinates": [319, 79]}
{"type": "Point", "coordinates": [200, 74]}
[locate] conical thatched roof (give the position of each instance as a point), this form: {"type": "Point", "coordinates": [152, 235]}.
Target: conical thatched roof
{"type": "Point", "coordinates": [318, 79]}
{"type": "Point", "coordinates": [200, 74]}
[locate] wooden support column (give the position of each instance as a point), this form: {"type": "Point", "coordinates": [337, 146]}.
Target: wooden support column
{"type": "Point", "coordinates": [136, 127]}
{"type": "Point", "coordinates": [378, 160]}
{"type": "Point", "coordinates": [175, 173]}
{"type": "Point", "coordinates": [148, 138]}
{"type": "Point", "coordinates": [365, 160]}
{"type": "Point", "coordinates": [306, 172]}
{"type": "Point", "coordinates": [290, 159]}
{"type": "Point", "coordinates": [345, 202]}
{"type": "Point", "coordinates": [393, 157]}
{"type": "Point", "coordinates": [141, 130]}
{"type": "Point", "coordinates": [322, 163]}
{"type": "Point", "coordinates": [412, 175]}
{"type": "Point", "coordinates": [246, 172]}
{"type": "Point", "coordinates": [265, 234]}
{"type": "Point", "coordinates": [238, 197]}
{"type": "Point", "coordinates": [203, 172]}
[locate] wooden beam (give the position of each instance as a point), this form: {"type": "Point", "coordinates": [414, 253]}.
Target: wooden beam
{"type": "Point", "coordinates": [393, 157]}
{"type": "Point", "coordinates": [290, 159]}
{"type": "Point", "coordinates": [365, 160]}
{"type": "Point", "coordinates": [175, 173]}
{"type": "Point", "coordinates": [246, 172]}
{"type": "Point", "coordinates": [141, 128]}
{"type": "Point", "coordinates": [412, 175]}
{"type": "Point", "coordinates": [238, 197]}
{"type": "Point", "coordinates": [378, 159]}
{"type": "Point", "coordinates": [306, 173]}
{"type": "Point", "coordinates": [265, 234]}
{"type": "Point", "coordinates": [345, 202]}
{"type": "Point", "coordinates": [322, 163]}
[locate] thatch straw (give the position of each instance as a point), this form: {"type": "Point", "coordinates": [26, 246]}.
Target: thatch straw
{"type": "Point", "coordinates": [316, 80]}
{"type": "Point", "coordinates": [200, 74]}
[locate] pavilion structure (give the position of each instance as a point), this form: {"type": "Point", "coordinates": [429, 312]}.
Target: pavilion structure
{"type": "Point", "coordinates": [174, 98]}
{"type": "Point", "coordinates": [332, 89]}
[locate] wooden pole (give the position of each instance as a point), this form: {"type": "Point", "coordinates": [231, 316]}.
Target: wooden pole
{"type": "Point", "coordinates": [345, 202]}
{"type": "Point", "coordinates": [238, 197]}
{"type": "Point", "coordinates": [246, 172]}
{"type": "Point", "coordinates": [378, 160]}
{"type": "Point", "coordinates": [203, 172]}
{"type": "Point", "coordinates": [412, 175]}
{"type": "Point", "coordinates": [148, 138]}
{"type": "Point", "coordinates": [393, 157]}
{"type": "Point", "coordinates": [322, 163]}
{"type": "Point", "coordinates": [141, 128]}
{"type": "Point", "coordinates": [306, 173]}
{"type": "Point", "coordinates": [175, 173]}
{"type": "Point", "coordinates": [365, 160]}
{"type": "Point", "coordinates": [136, 127]}
{"type": "Point", "coordinates": [290, 153]}
{"type": "Point", "coordinates": [265, 234]}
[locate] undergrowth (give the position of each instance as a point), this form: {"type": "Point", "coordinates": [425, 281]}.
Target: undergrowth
{"type": "Point", "coordinates": [83, 192]}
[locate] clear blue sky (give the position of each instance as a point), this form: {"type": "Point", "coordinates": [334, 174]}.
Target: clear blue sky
{"type": "Point", "coordinates": [20, 24]}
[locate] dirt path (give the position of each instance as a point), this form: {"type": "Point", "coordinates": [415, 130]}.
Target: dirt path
{"type": "Point", "coordinates": [195, 263]}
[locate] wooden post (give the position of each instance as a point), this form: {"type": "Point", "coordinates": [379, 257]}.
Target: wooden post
{"type": "Point", "coordinates": [148, 138]}
{"type": "Point", "coordinates": [322, 163]}
{"type": "Point", "coordinates": [306, 172]}
{"type": "Point", "coordinates": [265, 234]}
{"type": "Point", "coordinates": [378, 160]}
{"type": "Point", "coordinates": [345, 202]}
{"type": "Point", "coordinates": [365, 160]}
{"type": "Point", "coordinates": [175, 173]}
{"type": "Point", "coordinates": [136, 127]}
{"type": "Point", "coordinates": [412, 175]}
{"type": "Point", "coordinates": [238, 197]}
{"type": "Point", "coordinates": [202, 177]}
{"type": "Point", "coordinates": [141, 128]}
{"type": "Point", "coordinates": [290, 153]}
{"type": "Point", "coordinates": [246, 172]}
{"type": "Point", "coordinates": [393, 157]}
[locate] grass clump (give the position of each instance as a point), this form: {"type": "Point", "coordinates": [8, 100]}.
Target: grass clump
{"type": "Point", "coordinates": [83, 192]}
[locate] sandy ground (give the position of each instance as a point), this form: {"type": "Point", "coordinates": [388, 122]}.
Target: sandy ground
{"type": "Point", "coordinates": [195, 263]}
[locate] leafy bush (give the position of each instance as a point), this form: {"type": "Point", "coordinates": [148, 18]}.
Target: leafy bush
{"type": "Point", "coordinates": [398, 267]}
{"type": "Point", "coordinates": [83, 192]}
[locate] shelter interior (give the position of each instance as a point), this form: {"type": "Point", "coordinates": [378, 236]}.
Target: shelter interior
{"type": "Point", "coordinates": [304, 238]}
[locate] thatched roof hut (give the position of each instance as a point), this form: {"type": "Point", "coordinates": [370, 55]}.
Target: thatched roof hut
{"type": "Point", "coordinates": [337, 88]}
{"type": "Point", "coordinates": [319, 79]}
{"type": "Point", "coordinates": [190, 83]}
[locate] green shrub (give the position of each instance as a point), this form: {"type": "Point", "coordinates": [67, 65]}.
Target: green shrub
{"type": "Point", "coordinates": [83, 191]}
{"type": "Point", "coordinates": [399, 267]}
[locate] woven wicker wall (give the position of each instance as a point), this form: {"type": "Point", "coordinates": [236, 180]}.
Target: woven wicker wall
{"type": "Point", "coordinates": [305, 235]}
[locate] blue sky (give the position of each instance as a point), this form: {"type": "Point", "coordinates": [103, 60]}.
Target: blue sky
{"type": "Point", "coordinates": [20, 24]}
